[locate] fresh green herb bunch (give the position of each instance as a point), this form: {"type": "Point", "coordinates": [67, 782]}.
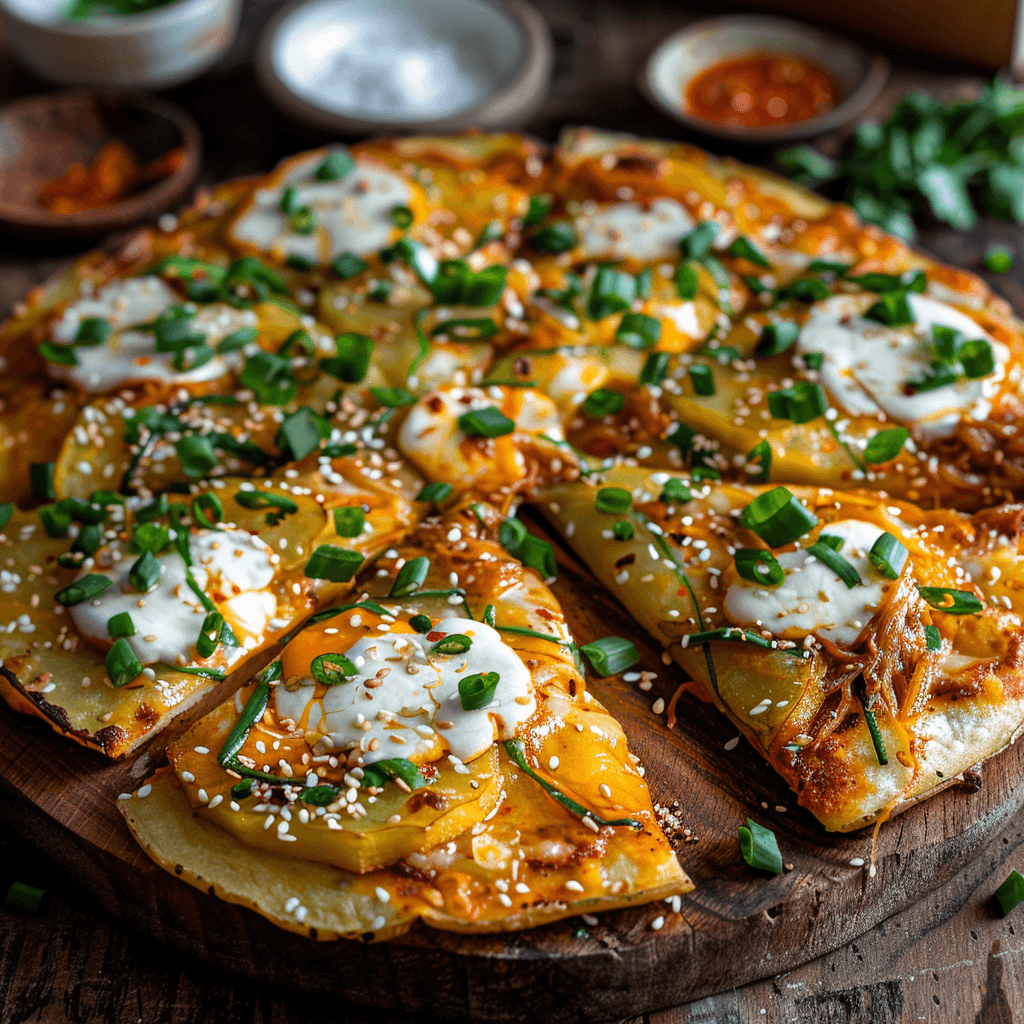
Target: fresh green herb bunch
{"type": "Point", "coordinates": [947, 158]}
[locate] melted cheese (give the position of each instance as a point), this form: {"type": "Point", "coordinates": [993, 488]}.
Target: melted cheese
{"type": "Point", "coordinates": [867, 365]}
{"type": "Point", "coordinates": [813, 599]}
{"type": "Point", "coordinates": [405, 700]}
{"type": "Point", "coordinates": [432, 438]}
{"type": "Point", "coordinates": [628, 230]}
{"type": "Point", "coordinates": [130, 355]}
{"type": "Point", "coordinates": [351, 213]}
{"type": "Point", "coordinates": [231, 567]}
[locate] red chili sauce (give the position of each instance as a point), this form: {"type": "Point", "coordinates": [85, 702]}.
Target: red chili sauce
{"type": "Point", "coordinates": [761, 90]}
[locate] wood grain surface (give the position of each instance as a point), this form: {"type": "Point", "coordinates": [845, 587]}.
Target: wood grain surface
{"type": "Point", "coordinates": [940, 958]}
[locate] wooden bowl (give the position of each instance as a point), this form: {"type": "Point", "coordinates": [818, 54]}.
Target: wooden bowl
{"type": "Point", "coordinates": [708, 42]}
{"type": "Point", "coordinates": [41, 137]}
{"type": "Point", "coordinates": [508, 40]}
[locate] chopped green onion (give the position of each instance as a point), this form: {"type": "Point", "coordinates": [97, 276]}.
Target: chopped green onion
{"type": "Point", "coordinates": [349, 521]}
{"type": "Point", "coordinates": [40, 476]}
{"type": "Point", "coordinates": [401, 217]}
{"type": "Point", "coordinates": [62, 355]}
{"type": "Point", "coordinates": [638, 331]}
{"type": "Point", "coordinates": [204, 503]}
{"type": "Point", "coordinates": [953, 602]}
{"type": "Point", "coordinates": [336, 165]}
{"type": "Point", "coordinates": [298, 339]}
{"type": "Point", "coordinates": [266, 499]}
{"type": "Point", "coordinates": [253, 711]}
{"type": "Point", "coordinates": [828, 267]}
{"type": "Point", "coordinates": [876, 736]}
{"type": "Point", "coordinates": [805, 289]}
{"type": "Point", "coordinates": [778, 518]}
{"type": "Point", "coordinates": [611, 655]}
{"type": "Point", "coordinates": [623, 530]}
{"type": "Point", "coordinates": [411, 576]}
{"type": "Point", "coordinates": [421, 624]}
{"type": "Point", "coordinates": [511, 533]}
{"type": "Point", "coordinates": [149, 537]}
{"type": "Point", "coordinates": [332, 669]}
{"type": "Point", "coordinates": [759, 462]}
{"type": "Point", "coordinates": [6, 511]}
{"type": "Point", "coordinates": [84, 589]}
{"type": "Point", "coordinates": [538, 209]}
{"type": "Point", "coordinates": [336, 564]}
{"type": "Point", "coordinates": [813, 360]}
{"type": "Point", "coordinates": [888, 556]}
{"type": "Point", "coordinates": [489, 613]}
{"type": "Point", "coordinates": [655, 369]}
{"type": "Point", "coordinates": [932, 638]}
{"type": "Point", "coordinates": [517, 753]}
{"type": "Point", "coordinates": [303, 221]}
{"type": "Point", "coordinates": [238, 339]}
{"type": "Point", "coordinates": [145, 573]}
{"type": "Point", "coordinates": [998, 259]}
{"type": "Point", "coordinates": [120, 625]}
{"type": "Point", "coordinates": [1010, 893]}
{"type": "Point", "coordinates": [122, 665]}
{"type": "Point", "coordinates": [477, 691]}
{"type": "Point", "coordinates": [702, 378]}
{"type": "Point", "coordinates": [56, 520]}
{"type": "Point", "coordinates": [777, 337]}
{"type": "Point", "coordinates": [487, 422]}
{"type": "Point", "coordinates": [92, 331]}
{"type": "Point", "coordinates": [393, 398]}
{"type": "Point", "coordinates": [831, 541]}
{"type": "Point", "coordinates": [760, 848]}
{"type": "Point", "coordinates": [269, 376]}
{"type": "Point", "coordinates": [892, 310]}
{"type": "Point", "coordinates": [801, 403]}
{"type": "Point", "coordinates": [300, 433]}
{"type": "Point", "coordinates": [977, 359]}
{"type": "Point", "coordinates": [732, 633]}
{"type": "Point", "coordinates": [320, 795]}
{"type": "Point", "coordinates": [697, 244]}
{"type": "Point", "coordinates": [885, 445]}
{"type": "Point", "coordinates": [300, 263]}
{"type": "Point", "coordinates": [454, 643]}
{"type": "Point", "coordinates": [829, 556]}
{"type": "Point", "coordinates": [475, 328]}
{"type": "Point", "coordinates": [674, 490]}
{"type": "Point", "coordinates": [435, 492]}
{"type": "Point", "coordinates": [603, 402]}
{"type": "Point", "coordinates": [380, 773]}
{"type": "Point", "coordinates": [759, 566]}
{"type": "Point", "coordinates": [686, 282]}
{"type": "Point", "coordinates": [614, 500]}
{"type": "Point", "coordinates": [196, 454]}
{"type": "Point", "coordinates": [24, 897]}
{"type": "Point", "coordinates": [554, 238]}
{"type": "Point", "coordinates": [743, 248]}
{"type": "Point", "coordinates": [348, 265]}
{"type": "Point", "coordinates": [538, 554]}
{"type": "Point", "coordinates": [612, 292]}
{"type": "Point", "coordinates": [352, 362]}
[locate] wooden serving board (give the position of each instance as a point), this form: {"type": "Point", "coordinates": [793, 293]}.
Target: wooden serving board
{"type": "Point", "coordinates": [737, 926]}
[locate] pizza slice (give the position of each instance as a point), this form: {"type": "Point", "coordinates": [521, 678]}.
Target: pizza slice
{"type": "Point", "coordinates": [428, 751]}
{"type": "Point", "coordinates": [869, 649]}
{"type": "Point", "coordinates": [123, 614]}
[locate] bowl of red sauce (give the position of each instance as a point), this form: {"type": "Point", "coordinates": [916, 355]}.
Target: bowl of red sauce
{"type": "Point", "coordinates": [758, 78]}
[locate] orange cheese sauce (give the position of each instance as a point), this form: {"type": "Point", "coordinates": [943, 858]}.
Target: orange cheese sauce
{"type": "Point", "coordinates": [761, 90]}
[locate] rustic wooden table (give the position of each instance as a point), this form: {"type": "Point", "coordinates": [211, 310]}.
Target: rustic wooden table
{"type": "Point", "coordinates": [948, 958]}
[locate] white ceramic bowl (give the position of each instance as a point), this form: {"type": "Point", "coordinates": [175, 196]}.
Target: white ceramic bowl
{"type": "Point", "coordinates": [699, 46]}
{"type": "Point", "coordinates": [358, 66]}
{"type": "Point", "coordinates": [152, 50]}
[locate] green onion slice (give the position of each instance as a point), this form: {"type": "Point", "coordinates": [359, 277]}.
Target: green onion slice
{"type": "Point", "coordinates": [611, 655]}
{"type": "Point", "coordinates": [876, 736]}
{"type": "Point", "coordinates": [122, 665]}
{"type": "Point", "coordinates": [421, 624]}
{"type": "Point", "coordinates": [349, 521]}
{"type": "Point", "coordinates": [759, 566]}
{"type": "Point", "coordinates": [603, 402]}
{"type": "Point", "coordinates": [777, 337]}
{"type": "Point", "coordinates": [336, 564]}
{"type": "Point", "coordinates": [352, 362]}
{"type": "Point", "coordinates": [743, 248]}
{"type": "Point", "coordinates": [83, 589]}
{"type": "Point", "coordinates": [686, 282]}
{"type": "Point", "coordinates": [336, 165]}
{"type": "Point", "coordinates": [778, 518]}
{"type": "Point", "coordinates": [120, 625]}
{"type": "Point", "coordinates": [703, 379]}
{"type": "Point", "coordinates": [454, 643]}
{"type": "Point", "coordinates": [759, 462]}
{"type": "Point", "coordinates": [348, 265]}
{"type": "Point", "coordinates": [477, 691]}
{"type": "Point", "coordinates": [332, 669]}
{"type": "Point", "coordinates": [487, 422]}
{"type": "Point", "coordinates": [638, 331]}
{"type": "Point", "coordinates": [380, 773]}
{"type": "Point", "coordinates": [759, 847]}
{"type": "Point", "coordinates": [204, 503]}
{"type": "Point", "coordinates": [24, 897]}
{"type": "Point", "coordinates": [612, 292]}
{"type": "Point", "coordinates": [623, 530]}
{"type": "Point", "coordinates": [1010, 893]}
{"type": "Point", "coordinates": [655, 369]}
{"type": "Point", "coordinates": [953, 602]}
{"type": "Point", "coordinates": [674, 490]}
{"type": "Point", "coordinates": [829, 556]}
{"type": "Point", "coordinates": [801, 403]}
{"type": "Point", "coordinates": [435, 492]}
{"type": "Point", "coordinates": [885, 445]}
{"type": "Point", "coordinates": [613, 500]}
{"type": "Point", "coordinates": [411, 576]}
{"type": "Point", "coordinates": [697, 244]}
{"type": "Point", "coordinates": [932, 638]}
{"type": "Point", "coordinates": [888, 555]}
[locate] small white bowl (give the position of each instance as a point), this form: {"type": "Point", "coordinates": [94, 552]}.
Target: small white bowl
{"type": "Point", "coordinates": [151, 50]}
{"type": "Point", "coordinates": [364, 66]}
{"type": "Point", "coordinates": [684, 54]}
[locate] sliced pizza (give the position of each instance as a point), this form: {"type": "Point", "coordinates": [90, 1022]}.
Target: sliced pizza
{"type": "Point", "coordinates": [428, 751]}
{"type": "Point", "coordinates": [870, 650]}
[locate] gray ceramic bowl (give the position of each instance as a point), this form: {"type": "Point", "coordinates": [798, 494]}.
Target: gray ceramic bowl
{"type": "Point", "coordinates": [365, 66]}
{"type": "Point", "coordinates": [686, 53]}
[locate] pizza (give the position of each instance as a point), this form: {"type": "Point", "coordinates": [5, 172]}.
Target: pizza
{"type": "Point", "coordinates": [279, 472]}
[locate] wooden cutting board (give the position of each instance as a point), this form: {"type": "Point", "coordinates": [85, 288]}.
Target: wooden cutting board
{"type": "Point", "coordinates": [737, 926]}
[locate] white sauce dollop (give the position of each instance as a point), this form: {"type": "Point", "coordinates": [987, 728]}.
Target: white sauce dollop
{"type": "Point", "coordinates": [867, 365]}
{"type": "Point", "coordinates": [414, 691]}
{"type": "Point", "coordinates": [129, 355]}
{"type": "Point", "coordinates": [813, 599]}
{"type": "Point", "coordinates": [232, 567]}
{"type": "Point", "coordinates": [351, 213]}
{"type": "Point", "coordinates": [627, 229]}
